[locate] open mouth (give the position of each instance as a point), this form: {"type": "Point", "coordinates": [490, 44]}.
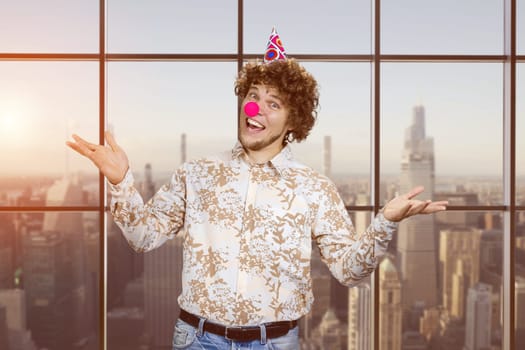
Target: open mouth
{"type": "Point", "coordinates": [254, 125]}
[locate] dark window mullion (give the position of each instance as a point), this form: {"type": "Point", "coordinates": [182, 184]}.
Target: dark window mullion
{"type": "Point", "coordinates": [102, 190]}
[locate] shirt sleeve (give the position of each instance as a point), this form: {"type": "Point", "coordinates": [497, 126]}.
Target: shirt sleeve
{"type": "Point", "coordinates": [350, 255]}
{"type": "Point", "coordinates": [148, 226]}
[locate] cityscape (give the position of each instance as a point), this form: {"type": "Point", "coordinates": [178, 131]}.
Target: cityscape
{"type": "Point", "coordinates": [440, 286]}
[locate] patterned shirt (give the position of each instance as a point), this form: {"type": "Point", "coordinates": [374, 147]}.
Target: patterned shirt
{"type": "Point", "coordinates": [247, 233]}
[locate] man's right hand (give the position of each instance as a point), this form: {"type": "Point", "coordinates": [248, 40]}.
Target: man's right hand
{"type": "Point", "coordinates": [112, 161]}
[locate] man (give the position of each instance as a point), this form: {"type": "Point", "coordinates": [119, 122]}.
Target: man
{"type": "Point", "coordinates": [248, 217]}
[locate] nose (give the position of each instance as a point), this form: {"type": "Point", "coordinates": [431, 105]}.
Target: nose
{"type": "Point", "coordinates": [251, 109]}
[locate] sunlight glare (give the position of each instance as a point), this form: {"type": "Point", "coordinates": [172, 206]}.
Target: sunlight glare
{"type": "Point", "coordinates": [7, 123]}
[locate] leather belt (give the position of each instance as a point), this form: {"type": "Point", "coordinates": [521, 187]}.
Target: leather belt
{"type": "Point", "coordinates": [241, 333]}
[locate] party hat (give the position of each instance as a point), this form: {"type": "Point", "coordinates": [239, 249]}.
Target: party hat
{"type": "Point", "coordinates": [274, 48]}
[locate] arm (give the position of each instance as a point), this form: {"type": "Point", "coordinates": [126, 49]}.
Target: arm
{"type": "Point", "coordinates": [147, 226]}
{"type": "Point", "coordinates": [144, 226]}
{"type": "Point", "coordinates": [350, 255]}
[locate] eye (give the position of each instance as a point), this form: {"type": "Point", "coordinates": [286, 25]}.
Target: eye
{"type": "Point", "coordinates": [274, 105]}
{"type": "Point", "coordinates": [252, 95]}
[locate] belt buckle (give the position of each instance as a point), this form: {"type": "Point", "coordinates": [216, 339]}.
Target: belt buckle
{"type": "Point", "coordinates": [231, 328]}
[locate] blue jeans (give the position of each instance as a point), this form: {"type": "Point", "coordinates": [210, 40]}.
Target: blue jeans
{"type": "Point", "coordinates": [188, 337]}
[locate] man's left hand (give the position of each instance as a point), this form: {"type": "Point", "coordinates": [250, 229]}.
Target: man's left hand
{"type": "Point", "coordinates": [404, 206]}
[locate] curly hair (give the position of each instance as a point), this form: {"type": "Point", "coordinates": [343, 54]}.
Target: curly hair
{"type": "Point", "coordinates": [297, 88]}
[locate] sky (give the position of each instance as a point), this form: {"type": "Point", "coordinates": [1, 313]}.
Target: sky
{"type": "Point", "coordinates": [150, 104]}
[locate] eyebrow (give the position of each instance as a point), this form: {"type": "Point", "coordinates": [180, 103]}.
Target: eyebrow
{"type": "Point", "coordinates": [276, 96]}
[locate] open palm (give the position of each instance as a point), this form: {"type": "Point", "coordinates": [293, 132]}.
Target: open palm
{"type": "Point", "coordinates": [111, 160]}
{"type": "Point", "coordinates": [404, 206]}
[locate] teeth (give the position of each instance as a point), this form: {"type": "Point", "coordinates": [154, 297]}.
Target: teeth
{"type": "Point", "coordinates": [255, 123]}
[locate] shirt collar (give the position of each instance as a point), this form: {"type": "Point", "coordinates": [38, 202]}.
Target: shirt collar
{"type": "Point", "coordinates": [281, 162]}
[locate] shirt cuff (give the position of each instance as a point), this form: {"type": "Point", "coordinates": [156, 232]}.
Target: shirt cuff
{"type": "Point", "coordinates": [127, 182]}
{"type": "Point", "coordinates": [381, 224]}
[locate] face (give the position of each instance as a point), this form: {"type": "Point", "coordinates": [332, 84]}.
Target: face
{"type": "Point", "coordinates": [265, 131]}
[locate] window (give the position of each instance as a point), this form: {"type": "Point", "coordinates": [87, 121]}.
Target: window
{"type": "Point", "coordinates": [430, 107]}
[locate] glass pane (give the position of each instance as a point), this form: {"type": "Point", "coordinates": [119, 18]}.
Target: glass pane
{"type": "Point", "coordinates": [171, 113]}
{"type": "Point", "coordinates": [309, 27]}
{"type": "Point", "coordinates": [520, 27]}
{"type": "Point", "coordinates": [340, 317]}
{"type": "Point", "coordinates": [520, 134]}
{"type": "Point", "coordinates": [166, 103]}
{"type": "Point", "coordinates": [142, 292]}
{"type": "Point", "coordinates": [519, 287]}
{"type": "Point", "coordinates": [49, 280]}
{"type": "Point", "coordinates": [172, 26]}
{"type": "Point", "coordinates": [442, 128]}
{"type": "Point", "coordinates": [49, 26]}
{"type": "Point", "coordinates": [339, 144]}
{"type": "Point", "coordinates": [449, 26]}
{"type": "Point", "coordinates": [41, 104]}
{"type": "Point", "coordinates": [457, 302]}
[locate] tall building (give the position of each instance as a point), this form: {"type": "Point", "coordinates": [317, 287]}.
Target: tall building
{"type": "Point", "coordinates": [519, 315]}
{"type": "Point", "coordinates": [429, 323]}
{"type": "Point", "coordinates": [183, 148]}
{"type": "Point", "coordinates": [413, 340]}
{"type": "Point", "coordinates": [18, 336]}
{"type": "Point", "coordinates": [450, 218]}
{"type": "Point", "coordinates": [459, 256]}
{"type": "Point", "coordinates": [7, 251]}
{"type": "Point", "coordinates": [3, 328]}
{"type": "Point", "coordinates": [327, 156]}
{"type": "Point", "coordinates": [147, 188]}
{"type": "Point", "coordinates": [329, 334]}
{"type": "Point", "coordinates": [359, 330]}
{"type": "Point", "coordinates": [390, 308]}
{"type": "Point", "coordinates": [55, 277]}
{"type": "Point", "coordinates": [416, 241]}
{"type": "Point", "coordinates": [478, 317]}
{"type": "Point", "coordinates": [49, 290]}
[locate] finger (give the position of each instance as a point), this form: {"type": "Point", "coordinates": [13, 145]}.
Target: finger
{"type": "Point", "coordinates": [414, 192]}
{"type": "Point", "coordinates": [419, 207]}
{"type": "Point", "coordinates": [111, 141]}
{"type": "Point", "coordinates": [79, 148]}
{"type": "Point", "coordinates": [435, 207]}
{"type": "Point", "coordinates": [81, 141]}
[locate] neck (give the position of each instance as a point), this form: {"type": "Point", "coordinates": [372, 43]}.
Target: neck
{"type": "Point", "coordinates": [262, 156]}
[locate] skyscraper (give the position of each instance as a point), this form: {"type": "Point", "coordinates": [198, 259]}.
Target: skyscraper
{"type": "Point", "coordinates": [478, 317]}
{"type": "Point", "coordinates": [459, 260]}
{"type": "Point", "coordinates": [327, 156]}
{"type": "Point", "coordinates": [147, 188]}
{"type": "Point", "coordinates": [50, 294]}
{"type": "Point", "coordinates": [55, 271]}
{"type": "Point", "coordinates": [389, 306]}
{"type": "Point", "coordinates": [14, 302]}
{"type": "Point", "coordinates": [416, 242]}
{"type": "Point", "coordinates": [519, 315]}
{"type": "Point", "coordinates": [3, 328]}
{"type": "Point", "coordinates": [183, 148]}
{"type": "Point", "coordinates": [7, 251]}
{"type": "Point", "coordinates": [329, 334]}
{"type": "Point", "coordinates": [359, 317]}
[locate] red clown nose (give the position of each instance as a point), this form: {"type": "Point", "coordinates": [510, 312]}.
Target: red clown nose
{"type": "Point", "coordinates": [251, 109]}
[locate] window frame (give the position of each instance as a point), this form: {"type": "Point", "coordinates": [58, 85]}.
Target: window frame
{"type": "Point", "coordinates": [510, 207]}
